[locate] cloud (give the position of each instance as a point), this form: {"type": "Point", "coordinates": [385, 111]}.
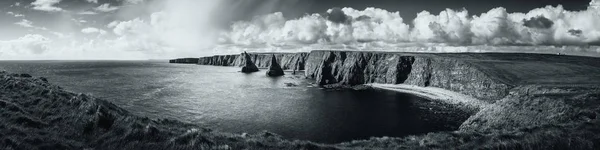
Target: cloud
{"type": "Point", "coordinates": [539, 22]}
{"type": "Point", "coordinates": [91, 30]}
{"type": "Point", "coordinates": [373, 28]}
{"type": "Point", "coordinates": [30, 44]}
{"type": "Point", "coordinates": [338, 26]}
{"type": "Point", "coordinates": [16, 4]}
{"type": "Point", "coordinates": [87, 13]}
{"type": "Point", "coordinates": [92, 1]}
{"type": "Point", "coordinates": [336, 15]}
{"type": "Point", "coordinates": [25, 23]}
{"type": "Point", "coordinates": [15, 14]}
{"type": "Point", "coordinates": [134, 1]}
{"type": "Point", "coordinates": [449, 26]}
{"type": "Point", "coordinates": [28, 24]}
{"type": "Point", "coordinates": [106, 8]}
{"type": "Point", "coordinates": [46, 5]}
{"type": "Point", "coordinates": [112, 24]}
{"type": "Point", "coordinates": [183, 28]}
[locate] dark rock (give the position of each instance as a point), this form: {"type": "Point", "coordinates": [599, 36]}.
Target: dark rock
{"type": "Point", "coordinates": [275, 70]}
{"type": "Point", "coordinates": [249, 67]}
{"type": "Point", "coordinates": [25, 75]}
{"type": "Point", "coordinates": [150, 129]}
{"type": "Point", "coordinates": [291, 84]}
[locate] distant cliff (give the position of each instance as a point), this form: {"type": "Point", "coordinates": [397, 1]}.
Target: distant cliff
{"type": "Point", "coordinates": [288, 61]}
{"type": "Point", "coordinates": [185, 60]}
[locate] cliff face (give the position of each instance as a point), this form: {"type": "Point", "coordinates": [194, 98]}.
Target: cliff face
{"type": "Point", "coordinates": [221, 60]}
{"type": "Point", "coordinates": [354, 68]}
{"type": "Point", "coordinates": [287, 61]}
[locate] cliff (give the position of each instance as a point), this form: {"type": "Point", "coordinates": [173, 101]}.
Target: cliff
{"type": "Point", "coordinates": [287, 61]}
{"type": "Point", "coordinates": [184, 60]}
{"type": "Point", "coordinates": [485, 76]}
{"type": "Point", "coordinates": [354, 68]}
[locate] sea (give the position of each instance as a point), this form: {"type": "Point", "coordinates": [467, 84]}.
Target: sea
{"type": "Point", "coordinates": [224, 99]}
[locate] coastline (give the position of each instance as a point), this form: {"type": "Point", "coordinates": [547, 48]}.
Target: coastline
{"type": "Point", "coordinates": [539, 109]}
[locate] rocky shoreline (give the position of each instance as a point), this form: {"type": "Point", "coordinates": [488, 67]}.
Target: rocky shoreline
{"type": "Point", "coordinates": [528, 101]}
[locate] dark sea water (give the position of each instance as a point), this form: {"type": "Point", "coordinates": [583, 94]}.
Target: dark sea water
{"type": "Point", "coordinates": [224, 99]}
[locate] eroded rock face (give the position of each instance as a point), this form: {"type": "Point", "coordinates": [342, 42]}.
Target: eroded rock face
{"type": "Point", "coordinates": [249, 66]}
{"type": "Point", "coordinates": [275, 69]}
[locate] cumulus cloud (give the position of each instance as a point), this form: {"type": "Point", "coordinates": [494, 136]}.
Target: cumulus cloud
{"type": "Point", "coordinates": [336, 15]}
{"type": "Point", "coordinates": [46, 5]}
{"type": "Point", "coordinates": [183, 28]}
{"type": "Point", "coordinates": [449, 26]}
{"type": "Point", "coordinates": [28, 24]}
{"type": "Point", "coordinates": [92, 1]}
{"type": "Point", "coordinates": [17, 4]}
{"type": "Point", "coordinates": [25, 23]}
{"type": "Point", "coordinates": [336, 26]}
{"type": "Point", "coordinates": [30, 44]}
{"type": "Point", "coordinates": [106, 8]}
{"type": "Point", "coordinates": [91, 30]}
{"type": "Point", "coordinates": [540, 22]}
{"type": "Point", "coordinates": [375, 27]}
{"type": "Point", "coordinates": [15, 14]}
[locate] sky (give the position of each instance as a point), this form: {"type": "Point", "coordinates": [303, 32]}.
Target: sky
{"type": "Point", "coordinates": [161, 29]}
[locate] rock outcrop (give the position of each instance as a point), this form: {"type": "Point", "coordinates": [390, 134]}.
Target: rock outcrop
{"type": "Point", "coordinates": [249, 66]}
{"type": "Point", "coordinates": [275, 70]}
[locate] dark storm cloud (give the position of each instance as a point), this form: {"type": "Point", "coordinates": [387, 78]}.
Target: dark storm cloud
{"type": "Point", "coordinates": [539, 22]}
{"type": "Point", "coordinates": [575, 32]}
{"type": "Point", "coordinates": [336, 15]}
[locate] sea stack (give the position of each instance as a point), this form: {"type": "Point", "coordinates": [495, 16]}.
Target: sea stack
{"type": "Point", "coordinates": [249, 66]}
{"type": "Point", "coordinates": [275, 69]}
